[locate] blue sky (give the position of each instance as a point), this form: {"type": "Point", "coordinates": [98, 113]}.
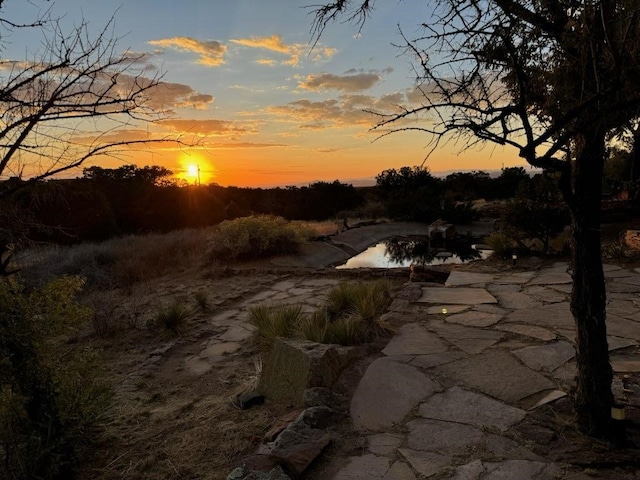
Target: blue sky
{"type": "Point", "coordinates": [265, 107]}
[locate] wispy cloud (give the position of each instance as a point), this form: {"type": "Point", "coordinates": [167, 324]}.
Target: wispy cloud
{"type": "Point", "coordinates": [293, 51]}
{"type": "Point", "coordinates": [210, 127]}
{"type": "Point", "coordinates": [347, 83]}
{"type": "Point", "coordinates": [345, 111]}
{"type": "Point", "coordinates": [210, 52]}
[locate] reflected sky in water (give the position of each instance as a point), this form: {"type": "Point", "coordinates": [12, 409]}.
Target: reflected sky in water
{"type": "Point", "coordinates": [379, 256]}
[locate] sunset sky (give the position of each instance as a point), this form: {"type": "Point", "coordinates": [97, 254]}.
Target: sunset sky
{"type": "Point", "coordinates": [265, 108]}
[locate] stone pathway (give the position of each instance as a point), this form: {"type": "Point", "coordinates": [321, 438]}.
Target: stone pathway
{"type": "Point", "coordinates": [478, 355]}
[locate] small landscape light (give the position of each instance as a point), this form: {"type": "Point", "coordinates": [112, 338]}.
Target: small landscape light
{"type": "Point", "coordinates": [617, 412]}
{"type": "Point", "coordinates": [514, 259]}
{"type": "Point", "coordinates": [444, 311]}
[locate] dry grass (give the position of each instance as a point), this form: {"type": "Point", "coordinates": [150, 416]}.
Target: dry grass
{"type": "Point", "coordinates": [120, 262]}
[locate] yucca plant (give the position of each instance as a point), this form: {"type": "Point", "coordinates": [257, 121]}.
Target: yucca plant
{"type": "Point", "coordinates": [275, 321]}
{"type": "Point", "coordinates": [173, 317]}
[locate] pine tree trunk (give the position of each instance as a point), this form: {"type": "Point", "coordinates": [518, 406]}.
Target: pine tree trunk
{"type": "Point", "coordinates": [593, 397]}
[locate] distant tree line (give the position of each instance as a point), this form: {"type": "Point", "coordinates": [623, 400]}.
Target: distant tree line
{"type": "Point", "coordinates": [128, 200]}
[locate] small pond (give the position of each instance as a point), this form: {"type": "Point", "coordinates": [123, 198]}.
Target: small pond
{"type": "Point", "coordinates": [404, 252]}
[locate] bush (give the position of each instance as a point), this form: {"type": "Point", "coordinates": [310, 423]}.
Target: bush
{"type": "Point", "coordinates": [51, 394]}
{"type": "Point", "coordinates": [256, 237]}
{"type": "Point", "coordinates": [501, 244]}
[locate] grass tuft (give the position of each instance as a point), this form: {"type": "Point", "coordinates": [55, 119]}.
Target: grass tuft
{"type": "Point", "coordinates": [202, 301]}
{"type": "Point", "coordinates": [275, 321]}
{"type": "Point", "coordinates": [173, 317]}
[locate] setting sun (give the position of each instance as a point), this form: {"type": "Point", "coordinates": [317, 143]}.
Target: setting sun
{"type": "Point", "coordinates": [192, 171]}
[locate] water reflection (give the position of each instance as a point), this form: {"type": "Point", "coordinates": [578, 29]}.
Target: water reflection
{"type": "Point", "coordinates": [403, 252]}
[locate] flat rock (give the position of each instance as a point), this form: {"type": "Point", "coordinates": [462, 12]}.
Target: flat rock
{"type": "Point", "coordinates": [530, 331]}
{"type": "Point", "coordinates": [237, 333]}
{"type": "Point", "coordinates": [437, 436]}
{"type": "Point", "coordinates": [625, 363]}
{"type": "Point", "coordinates": [460, 277]}
{"type": "Point", "coordinates": [400, 471]}
{"type": "Point", "coordinates": [457, 296]}
{"type": "Point", "coordinates": [468, 339]}
{"type": "Point", "coordinates": [470, 408]}
{"type": "Point", "coordinates": [425, 463]}
{"type": "Point", "coordinates": [508, 469]}
{"type": "Point", "coordinates": [620, 287]}
{"type": "Point", "coordinates": [623, 327]}
{"type": "Point", "coordinates": [363, 468]}
{"type": "Point", "coordinates": [515, 278]}
{"type": "Point", "coordinates": [384, 443]}
{"type": "Point", "coordinates": [217, 349]}
{"type": "Point", "coordinates": [437, 309]}
{"type": "Point", "coordinates": [548, 277]}
{"type": "Point", "coordinates": [551, 396]}
{"type": "Point", "coordinates": [387, 392]}
{"type": "Point", "coordinates": [474, 319]}
{"type": "Point", "coordinates": [414, 339]}
{"type": "Point", "coordinates": [546, 357]}
{"type": "Point", "coordinates": [617, 343]}
{"type": "Point", "coordinates": [517, 300]}
{"type": "Point", "coordinates": [497, 374]}
{"type": "Point", "coordinates": [488, 308]}
{"type": "Point", "coordinates": [555, 315]}
{"type": "Point", "coordinates": [546, 295]}
{"type": "Point", "coordinates": [435, 359]}
{"type": "Point", "coordinates": [628, 280]}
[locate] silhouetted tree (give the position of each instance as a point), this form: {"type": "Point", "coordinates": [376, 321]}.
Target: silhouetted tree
{"type": "Point", "coordinates": [553, 80]}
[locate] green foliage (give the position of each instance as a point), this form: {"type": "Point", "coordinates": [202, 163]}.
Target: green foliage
{"type": "Point", "coordinates": [410, 193]}
{"type": "Point", "coordinates": [275, 321]}
{"type": "Point", "coordinates": [173, 317]}
{"type": "Point", "coordinates": [351, 316]}
{"type": "Point", "coordinates": [502, 245]}
{"type": "Point", "coordinates": [202, 300]}
{"type": "Point", "coordinates": [51, 394]}
{"type": "Point", "coordinates": [536, 212]}
{"type": "Point", "coordinates": [256, 237]}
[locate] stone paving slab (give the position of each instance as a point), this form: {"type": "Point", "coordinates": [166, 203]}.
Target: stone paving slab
{"type": "Point", "coordinates": [458, 278]}
{"type": "Point", "coordinates": [426, 463]}
{"type": "Point", "coordinates": [442, 437]}
{"type": "Point", "coordinates": [474, 319]}
{"type": "Point", "coordinates": [625, 363]}
{"type": "Point", "coordinates": [364, 467]}
{"type": "Point", "coordinates": [517, 300]}
{"type": "Point", "coordinates": [555, 315]}
{"type": "Point", "coordinates": [470, 408]}
{"type": "Point", "coordinates": [622, 327]}
{"type": "Point", "coordinates": [497, 374]}
{"type": "Point", "coordinates": [468, 339]}
{"type": "Point", "coordinates": [546, 295]}
{"type": "Point", "coordinates": [384, 443]}
{"type": "Point", "coordinates": [506, 470]}
{"type": "Point", "coordinates": [437, 309]}
{"type": "Point", "coordinates": [386, 394]}
{"type": "Point", "coordinates": [458, 296]}
{"type": "Point", "coordinates": [414, 339]}
{"type": "Point", "coordinates": [530, 331]}
{"type": "Point", "coordinates": [435, 359]}
{"type": "Point", "coordinates": [546, 357]}
{"type": "Point", "coordinates": [514, 278]}
{"type": "Point", "coordinates": [548, 277]}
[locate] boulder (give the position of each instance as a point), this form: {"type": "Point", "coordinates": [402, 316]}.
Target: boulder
{"type": "Point", "coordinates": [296, 365]}
{"type": "Point", "coordinates": [297, 446]}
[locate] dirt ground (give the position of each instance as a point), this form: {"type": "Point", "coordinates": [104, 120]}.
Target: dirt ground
{"type": "Point", "coordinates": [169, 423]}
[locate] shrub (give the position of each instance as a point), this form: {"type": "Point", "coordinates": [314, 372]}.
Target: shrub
{"type": "Point", "coordinates": [275, 321]}
{"type": "Point", "coordinates": [173, 317]}
{"type": "Point", "coordinates": [501, 244]}
{"type": "Point", "coordinates": [51, 394]}
{"type": "Point", "coordinates": [256, 237]}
